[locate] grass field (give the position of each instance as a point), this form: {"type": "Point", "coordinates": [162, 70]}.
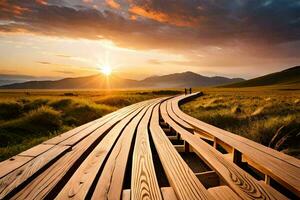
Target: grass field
{"type": "Point", "coordinates": [31, 117]}
{"type": "Point", "coordinates": [258, 114]}
{"type": "Point", "coordinates": [28, 118]}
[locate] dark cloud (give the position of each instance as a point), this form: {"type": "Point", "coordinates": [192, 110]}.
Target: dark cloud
{"type": "Point", "coordinates": [255, 25]}
{"type": "Point", "coordinates": [44, 63]}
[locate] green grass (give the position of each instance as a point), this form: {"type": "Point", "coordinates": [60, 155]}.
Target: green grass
{"type": "Point", "coordinates": [28, 118]}
{"type": "Point", "coordinates": [255, 114]}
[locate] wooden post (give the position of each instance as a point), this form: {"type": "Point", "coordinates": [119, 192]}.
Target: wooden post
{"type": "Point", "coordinates": [186, 147]}
{"type": "Point", "coordinates": [237, 157]}
{"type": "Point", "coordinates": [267, 179]}
{"type": "Point", "coordinates": [215, 142]}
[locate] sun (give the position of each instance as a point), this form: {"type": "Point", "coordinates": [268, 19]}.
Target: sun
{"type": "Point", "coordinates": [106, 70]}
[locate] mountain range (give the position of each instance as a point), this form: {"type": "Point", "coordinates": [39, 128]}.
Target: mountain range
{"type": "Point", "coordinates": [288, 78]}
{"type": "Point", "coordinates": [6, 79]}
{"type": "Point", "coordinates": [99, 81]}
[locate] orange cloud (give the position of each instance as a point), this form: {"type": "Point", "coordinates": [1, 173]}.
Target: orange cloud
{"type": "Point", "coordinates": [113, 4]}
{"type": "Point", "coordinates": [11, 8]}
{"type": "Point", "coordinates": [160, 16]}
{"type": "Point", "coordinates": [88, 1]}
{"type": "Point", "coordinates": [133, 17]}
{"type": "Point", "coordinates": [42, 2]}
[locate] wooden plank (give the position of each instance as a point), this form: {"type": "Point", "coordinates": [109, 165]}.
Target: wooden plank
{"type": "Point", "coordinates": [228, 156]}
{"type": "Point", "coordinates": [237, 179]}
{"type": "Point", "coordinates": [80, 182]}
{"type": "Point", "coordinates": [7, 166]}
{"type": "Point", "coordinates": [144, 183]}
{"type": "Point", "coordinates": [276, 154]}
{"type": "Point", "coordinates": [36, 150]}
{"type": "Point", "coordinates": [282, 168]}
{"type": "Point", "coordinates": [110, 183]}
{"type": "Point", "coordinates": [168, 193]}
{"type": "Point", "coordinates": [224, 193]}
{"type": "Point", "coordinates": [79, 136]}
{"type": "Point", "coordinates": [204, 136]}
{"type": "Point", "coordinates": [61, 137]}
{"type": "Point", "coordinates": [91, 126]}
{"type": "Point", "coordinates": [269, 188]}
{"type": "Point", "coordinates": [126, 195]}
{"type": "Point", "coordinates": [180, 176]}
{"type": "Point", "coordinates": [46, 184]}
{"type": "Point", "coordinates": [22, 174]}
{"type": "Point", "coordinates": [178, 120]}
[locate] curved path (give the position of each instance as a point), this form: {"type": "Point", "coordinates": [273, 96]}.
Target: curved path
{"type": "Point", "coordinates": [150, 150]}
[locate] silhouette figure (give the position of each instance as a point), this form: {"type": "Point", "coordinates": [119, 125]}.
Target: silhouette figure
{"type": "Point", "coordinates": [185, 91]}
{"type": "Point", "coordinates": [190, 90]}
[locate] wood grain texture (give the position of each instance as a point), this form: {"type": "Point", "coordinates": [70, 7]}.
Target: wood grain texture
{"type": "Point", "coordinates": [42, 185]}
{"type": "Point", "coordinates": [178, 120]}
{"type": "Point", "coordinates": [111, 180]}
{"type": "Point", "coordinates": [109, 121]}
{"type": "Point", "coordinates": [126, 195]}
{"type": "Point", "coordinates": [22, 174]}
{"type": "Point", "coordinates": [91, 161]}
{"type": "Point", "coordinates": [224, 193]}
{"type": "Point", "coordinates": [282, 168]}
{"type": "Point", "coordinates": [182, 179]}
{"type": "Point", "coordinates": [168, 193]}
{"type": "Point", "coordinates": [12, 164]}
{"type": "Point", "coordinates": [237, 179]}
{"type": "Point", "coordinates": [144, 183]}
{"type": "Point", "coordinates": [91, 126]}
{"type": "Point", "coordinates": [36, 150]}
{"type": "Point", "coordinates": [79, 184]}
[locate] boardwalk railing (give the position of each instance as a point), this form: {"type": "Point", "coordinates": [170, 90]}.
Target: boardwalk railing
{"type": "Point", "coordinates": [150, 150]}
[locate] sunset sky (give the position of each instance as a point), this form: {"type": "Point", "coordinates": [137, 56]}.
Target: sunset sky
{"type": "Point", "coordinates": [140, 38]}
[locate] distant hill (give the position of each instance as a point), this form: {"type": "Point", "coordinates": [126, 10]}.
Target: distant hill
{"type": "Point", "coordinates": [6, 79]}
{"type": "Point", "coordinates": [185, 79]}
{"type": "Point", "coordinates": [87, 82]}
{"type": "Point", "coordinates": [289, 76]}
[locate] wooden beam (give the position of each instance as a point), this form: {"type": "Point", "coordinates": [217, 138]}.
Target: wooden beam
{"type": "Point", "coordinates": [144, 183]}
{"type": "Point", "coordinates": [111, 181]}
{"type": "Point", "coordinates": [181, 178]}
{"type": "Point", "coordinates": [79, 184]}
{"type": "Point", "coordinates": [224, 193]}
{"type": "Point", "coordinates": [45, 184]}
{"type": "Point", "coordinates": [282, 168]}
{"type": "Point", "coordinates": [237, 157]}
{"type": "Point", "coordinates": [126, 194]}
{"type": "Point", "coordinates": [168, 193]}
{"type": "Point", "coordinates": [23, 173]}
{"type": "Point", "coordinates": [209, 179]}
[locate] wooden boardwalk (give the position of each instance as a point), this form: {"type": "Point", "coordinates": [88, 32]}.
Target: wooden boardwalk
{"type": "Point", "coordinates": [150, 150]}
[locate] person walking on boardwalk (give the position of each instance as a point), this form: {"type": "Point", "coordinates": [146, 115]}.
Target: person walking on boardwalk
{"type": "Point", "coordinates": [190, 90]}
{"type": "Point", "coordinates": [185, 91]}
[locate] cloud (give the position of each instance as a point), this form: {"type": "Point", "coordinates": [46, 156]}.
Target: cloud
{"type": "Point", "coordinates": [113, 4]}
{"type": "Point", "coordinates": [44, 63]}
{"type": "Point", "coordinates": [159, 16]}
{"type": "Point", "coordinates": [42, 2]}
{"type": "Point", "coordinates": [255, 26]}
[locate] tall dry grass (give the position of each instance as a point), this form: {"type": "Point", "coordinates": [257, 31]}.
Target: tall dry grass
{"type": "Point", "coordinates": [255, 115]}
{"type": "Point", "coordinates": [29, 118]}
